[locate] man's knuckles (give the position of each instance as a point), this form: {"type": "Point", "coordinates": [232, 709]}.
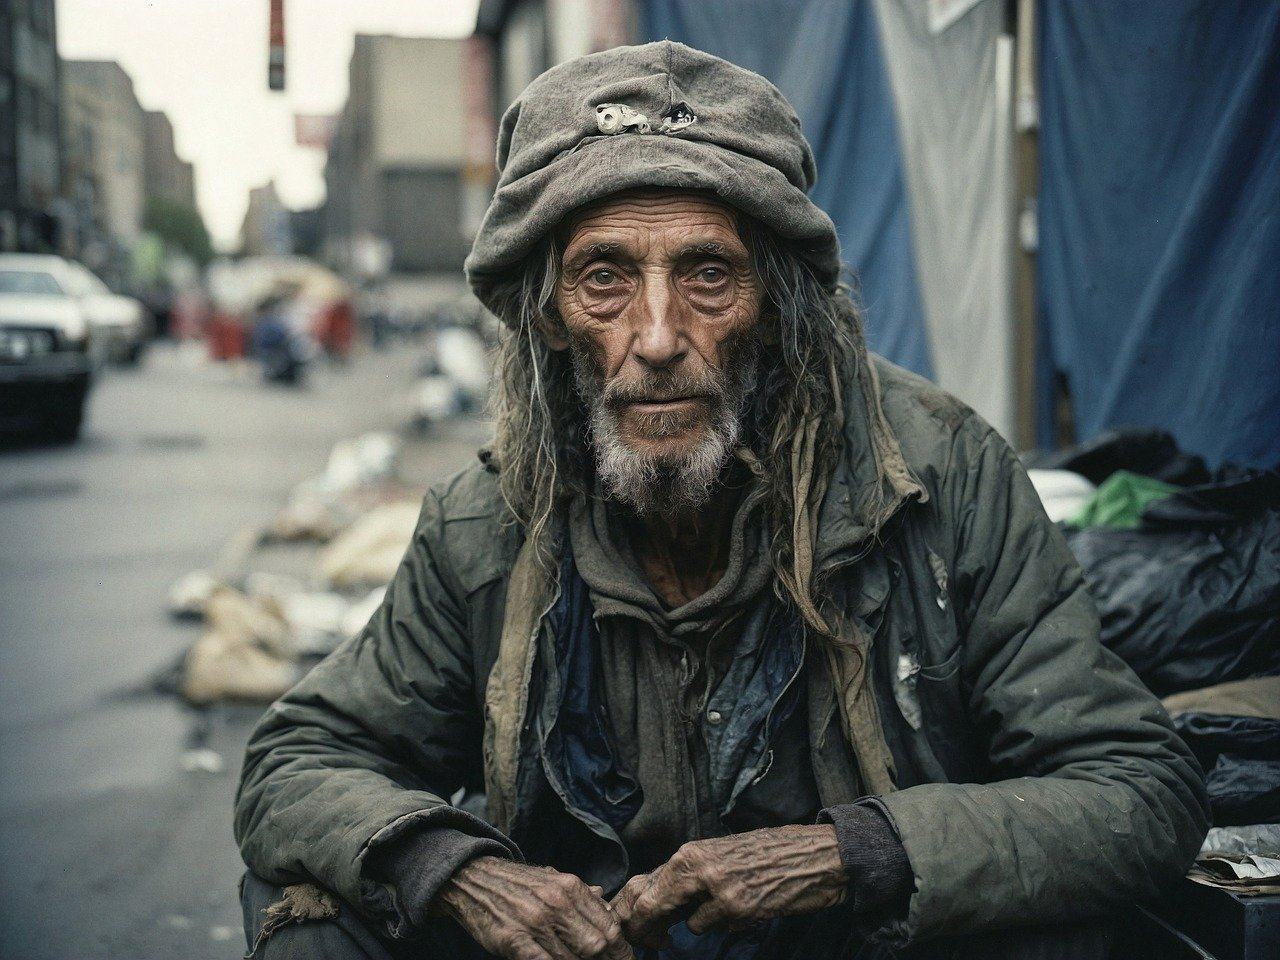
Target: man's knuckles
{"type": "Point", "coordinates": [535, 914]}
{"type": "Point", "coordinates": [689, 857]}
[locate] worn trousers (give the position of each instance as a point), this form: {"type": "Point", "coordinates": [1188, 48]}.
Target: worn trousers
{"type": "Point", "coordinates": [820, 936]}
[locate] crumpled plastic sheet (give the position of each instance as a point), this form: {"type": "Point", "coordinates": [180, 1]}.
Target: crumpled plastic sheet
{"type": "Point", "coordinates": [1244, 873]}
{"type": "Point", "coordinates": [1241, 757]}
{"type": "Point", "coordinates": [1152, 453]}
{"type": "Point", "coordinates": [1192, 597]}
{"type": "Point", "coordinates": [1261, 838]}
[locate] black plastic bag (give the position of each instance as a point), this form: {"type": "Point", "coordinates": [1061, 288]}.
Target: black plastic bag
{"type": "Point", "coordinates": [1241, 756]}
{"type": "Point", "coordinates": [1152, 453]}
{"type": "Point", "coordinates": [1192, 597]}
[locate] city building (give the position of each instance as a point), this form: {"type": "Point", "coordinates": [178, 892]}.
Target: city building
{"type": "Point", "coordinates": [531, 36]}
{"type": "Point", "coordinates": [168, 175]}
{"type": "Point", "coordinates": [107, 113]}
{"type": "Point", "coordinates": [85, 235]}
{"type": "Point", "coordinates": [266, 229]}
{"type": "Point", "coordinates": [30, 151]}
{"type": "Point", "coordinates": [395, 168]}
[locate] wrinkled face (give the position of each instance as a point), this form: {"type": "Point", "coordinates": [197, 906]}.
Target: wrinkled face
{"type": "Point", "coordinates": [661, 311]}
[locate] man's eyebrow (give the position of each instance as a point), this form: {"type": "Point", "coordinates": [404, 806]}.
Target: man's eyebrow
{"type": "Point", "coordinates": [590, 252]}
{"type": "Point", "coordinates": [713, 247]}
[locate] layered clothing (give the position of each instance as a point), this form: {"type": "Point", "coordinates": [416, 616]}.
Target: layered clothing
{"type": "Point", "coordinates": [1029, 775]}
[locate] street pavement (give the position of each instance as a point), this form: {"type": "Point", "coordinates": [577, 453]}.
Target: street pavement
{"type": "Point", "coordinates": [108, 847]}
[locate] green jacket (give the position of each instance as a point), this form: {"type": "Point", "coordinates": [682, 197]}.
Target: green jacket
{"type": "Point", "coordinates": [1034, 778]}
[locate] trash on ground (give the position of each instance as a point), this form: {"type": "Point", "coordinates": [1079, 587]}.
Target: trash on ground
{"type": "Point", "coordinates": [1242, 873]}
{"type": "Point", "coordinates": [203, 760]}
{"type": "Point", "coordinates": [1191, 597]}
{"type": "Point", "coordinates": [463, 358]}
{"type": "Point", "coordinates": [190, 594]}
{"type": "Point", "coordinates": [256, 621]}
{"type": "Point", "coordinates": [316, 619]}
{"type": "Point", "coordinates": [368, 552]}
{"type": "Point", "coordinates": [1241, 758]}
{"type": "Point", "coordinates": [1261, 838]}
{"type": "Point", "coordinates": [1120, 501]}
{"type": "Point", "coordinates": [436, 398]}
{"type": "Point", "coordinates": [361, 473]}
{"type": "Point", "coordinates": [230, 667]}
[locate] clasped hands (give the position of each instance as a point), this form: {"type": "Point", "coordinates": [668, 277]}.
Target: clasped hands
{"type": "Point", "coordinates": [522, 912]}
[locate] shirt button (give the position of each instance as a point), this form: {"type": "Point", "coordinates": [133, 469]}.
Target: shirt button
{"type": "Point", "coordinates": [714, 716]}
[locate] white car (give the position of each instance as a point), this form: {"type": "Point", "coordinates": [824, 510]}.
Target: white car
{"type": "Point", "coordinates": [121, 326]}
{"type": "Point", "coordinates": [45, 364]}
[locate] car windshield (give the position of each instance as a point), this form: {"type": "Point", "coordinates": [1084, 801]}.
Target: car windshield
{"type": "Point", "coordinates": [31, 283]}
{"type": "Point", "coordinates": [85, 283]}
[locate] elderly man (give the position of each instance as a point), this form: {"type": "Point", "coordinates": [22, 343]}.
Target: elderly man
{"type": "Point", "coordinates": [752, 644]}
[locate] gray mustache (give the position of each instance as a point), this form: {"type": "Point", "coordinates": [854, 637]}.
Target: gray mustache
{"type": "Point", "coordinates": [663, 387]}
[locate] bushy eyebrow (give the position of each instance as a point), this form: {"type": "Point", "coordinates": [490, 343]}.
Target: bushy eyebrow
{"type": "Point", "coordinates": [709, 247]}
{"type": "Point", "coordinates": [610, 249]}
{"type": "Point", "coordinates": [590, 252]}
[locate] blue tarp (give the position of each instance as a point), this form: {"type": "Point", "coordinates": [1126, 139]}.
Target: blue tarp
{"type": "Point", "coordinates": [825, 56]}
{"type": "Point", "coordinates": [1159, 261]}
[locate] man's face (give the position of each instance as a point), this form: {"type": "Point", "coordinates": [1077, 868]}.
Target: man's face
{"type": "Point", "coordinates": [661, 308]}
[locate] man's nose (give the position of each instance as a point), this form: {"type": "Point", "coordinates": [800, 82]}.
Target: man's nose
{"type": "Point", "coordinates": [659, 340]}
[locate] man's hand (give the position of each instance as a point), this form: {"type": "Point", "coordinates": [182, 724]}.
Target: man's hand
{"type": "Point", "coordinates": [520, 912]}
{"type": "Point", "coordinates": [734, 882]}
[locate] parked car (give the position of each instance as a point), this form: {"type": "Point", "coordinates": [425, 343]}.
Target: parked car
{"type": "Point", "coordinates": [45, 365]}
{"type": "Point", "coordinates": [121, 325]}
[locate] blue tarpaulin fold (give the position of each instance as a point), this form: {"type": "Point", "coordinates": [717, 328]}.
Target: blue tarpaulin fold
{"type": "Point", "coordinates": [1159, 260]}
{"type": "Point", "coordinates": [825, 56]}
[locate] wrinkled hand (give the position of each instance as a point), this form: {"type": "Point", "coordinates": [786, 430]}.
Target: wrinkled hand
{"type": "Point", "coordinates": [733, 882]}
{"type": "Point", "coordinates": [520, 912]}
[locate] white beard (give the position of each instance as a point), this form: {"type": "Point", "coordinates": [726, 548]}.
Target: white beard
{"type": "Point", "coordinates": [666, 486]}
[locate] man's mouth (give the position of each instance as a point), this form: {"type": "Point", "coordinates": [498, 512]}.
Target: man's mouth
{"type": "Point", "coordinates": [663, 404]}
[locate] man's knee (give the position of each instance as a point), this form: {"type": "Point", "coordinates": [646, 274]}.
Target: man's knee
{"type": "Point", "coordinates": [306, 923]}
{"type": "Point", "coordinates": [292, 923]}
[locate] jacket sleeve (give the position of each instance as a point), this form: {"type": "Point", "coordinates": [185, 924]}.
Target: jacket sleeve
{"type": "Point", "coordinates": [367, 747]}
{"type": "Point", "coordinates": [1097, 800]}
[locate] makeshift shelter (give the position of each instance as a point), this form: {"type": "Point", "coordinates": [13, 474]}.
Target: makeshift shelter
{"type": "Point", "coordinates": [1155, 226]}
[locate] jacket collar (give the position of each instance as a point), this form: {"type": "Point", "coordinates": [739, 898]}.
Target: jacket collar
{"type": "Point", "coordinates": [872, 480]}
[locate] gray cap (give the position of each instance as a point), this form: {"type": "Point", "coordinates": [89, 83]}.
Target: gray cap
{"type": "Point", "coordinates": [658, 115]}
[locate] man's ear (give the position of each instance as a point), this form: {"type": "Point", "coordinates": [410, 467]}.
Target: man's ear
{"type": "Point", "coordinates": [553, 332]}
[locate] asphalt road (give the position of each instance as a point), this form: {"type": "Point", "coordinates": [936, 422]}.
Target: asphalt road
{"type": "Point", "coordinates": [108, 848]}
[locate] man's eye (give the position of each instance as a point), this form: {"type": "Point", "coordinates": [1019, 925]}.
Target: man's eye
{"type": "Point", "coordinates": [711, 274]}
{"type": "Point", "coordinates": [602, 277]}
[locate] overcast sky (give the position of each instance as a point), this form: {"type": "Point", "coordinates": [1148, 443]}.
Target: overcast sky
{"type": "Point", "coordinates": [204, 62]}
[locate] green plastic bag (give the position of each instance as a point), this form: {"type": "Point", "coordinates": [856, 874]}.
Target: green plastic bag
{"type": "Point", "coordinates": [1120, 501]}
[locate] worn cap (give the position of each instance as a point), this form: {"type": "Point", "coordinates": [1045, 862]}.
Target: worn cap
{"type": "Point", "coordinates": [658, 115]}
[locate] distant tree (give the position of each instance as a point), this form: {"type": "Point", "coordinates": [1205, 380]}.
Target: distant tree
{"type": "Point", "coordinates": [178, 225]}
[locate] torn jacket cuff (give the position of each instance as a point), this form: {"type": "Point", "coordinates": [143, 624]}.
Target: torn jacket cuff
{"type": "Point", "coordinates": [426, 856]}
